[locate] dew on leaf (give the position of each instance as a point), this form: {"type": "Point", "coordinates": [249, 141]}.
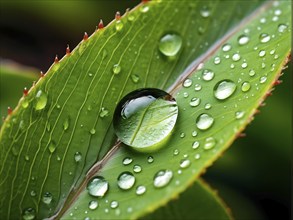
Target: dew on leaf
{"type": "Point", "coordinates": [207, 75]}
{"type": "Point", "coordinates": [97, 186]}
{"type": "Point", "coordinates": [263, 79]}
{"type": "Point", "coordinates": [137, 168]}
{"type": "Point", "coordinates": [194, 102]}
{"type": "Point", "coordinates": [116, 69]}
{"type": "Point", "coordinates": [41, 100]}
{"type": "Point", "coordinates": [126, 180]}
{"type": "Point", "coordinates": [236, 57]}
{"type": "Point", "coordinates": [140, 190]}
{"type": "Point", "coordinates": [118, 25]}
{"type": "Point", "coordinates": [104, 112]}
{"type": "Point", "coordinates": [197, 87]}
{"type": "Point", "coordinates": [182, 134]}
{"type": "Point", "coordinates": [251, 72]}
{"type": "Point", "coordinates": [243, 39]}
{"type": "Point", "coordinates": [239, 114]}
{"type": "Point", "coordinates": [77, 157]}
{"type": "Point", "coordinates": [150, 159]}
{"type": "Point", "coordinates": [205, 12]}
{"type": "Point", "coordinates": [244, 65]}
{"type": "Point", "coordinates": [187, 83]}
{"type": "Point", "coordinates": [170, 44]}
{"type": "Point", "coordinates": [185, 95]}
{"type": "Point", "coordinates": [93, 131]}
{"type": "Point", "coordinates": [226, 47]}
{"type": "Point", "coordinates": [162, 178]}
{"type": "Point", "coordinates": [127, 160]}
{"type": "Point", "coordinates": [224, 89]}
{"type": "Point", "coordinates": [264, 38]}
{"type": "Point", "coordinates": [282, 28]}
{"type": "Point", "coordinates": [29, 214]}
{"type": "Point", "coordinates": [93, 204]}
{"type": "Point", "coordinates": [196, 156]}
{"type": "Point", "coordinates": [134, 78]}
{"type": "Point", "coordinates": [195, 144]}
{"type": "Point", "coordinates": [47, 198]}
{"type": "Point", "coordinates": [210, 142]}
{"type": "Point", "coordinates": [140, 108]}
{"type": "Point", "coordinates": [66, 124]}
{"type": "Point", "coordinates": [25, 103]}
{"type": "Point", "coordinates": [207, 106]}
{"type": "Point", "coordinates": [52, 147]}
{"type": "Point", "coordinates": [262, 53]}
{"type": "Point", "coordinates": [114, 204]}
{"type": "Point", "coordinates": [33, 193]}
{"type": "Point", "coordinates": [217, 60]}
{"type": "Point", "coordinates": [184, 163]}
{"type": "Point", "coordinates": [175, 152]}
{"type": "Point", "coordinates": [245, 86]}
{"type": "Point", "coordinates": [144, 8]}
{"type": "Point", "coordinates": [204, 121]}
{"type": "Point", "coordinates": [194, 133]}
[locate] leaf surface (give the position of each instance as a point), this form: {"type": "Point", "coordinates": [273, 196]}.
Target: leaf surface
{"type": "Point", "coordinates": [53, 151]}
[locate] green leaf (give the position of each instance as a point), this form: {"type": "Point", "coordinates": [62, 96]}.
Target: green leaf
{"type": "Point", "coordinates": [197, 202]}
{"type": "Point", "coordinates": [49, 149]}
{"type": "Point", "coordinates": [18, 76]}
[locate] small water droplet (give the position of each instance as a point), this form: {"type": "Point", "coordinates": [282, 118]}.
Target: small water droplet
{"type": "Point", "coordinates": [226, 47]}
{"type": "Point", "coordinates": [47, 198]}
{"type": "Point", "coordinates": [208, 75]}
{"type": "Point", "coordinates": [244, 65]}
{"type": "Point", "coordinates": [236, 57]}
{"type": "Point", "coordinates": [197, 87]}
{"type": "Point", "coordinates": [29, 214]}
{"type": "Point", "coordinates": [170, 44]}
{"type": "Point", "coordinates": [243, 39]}
{"type": "Point", "coordinates": [114, 204]}
{"type": "Point", "coordinates": [282, 28]}
{"type": "Point", "coordinates": [26, 157]}
{"type": "Point", "coordinates": [278, 12]}
{"type": "Point", "coordinates": [245, 86]}
{"type": "Point", "coordinates": [25, 103]}
{"type": "Point", "coordinates": [239, 114]}
{"type": "Point", "coordinates": [97, 186]}
{"type": "Point", "coordinates": [126, 180]}
{"type": "Point", "coordinates": [217, 60]}
{"type": "Point", "coordinates": [197, 156]}
{"type": "Point", "coordinates": [182, 135]}
{"type": "Point", "coordinates": [41, 100]}
{"type": "Point", "coordinates": [224, 89]}
{"type": "Point", "coordinates": [66, 124]}
{"type": "Point", "coordinates": [204, 121]}
{"type": "Point", "coordinates": [187, 83]}
{"type": "Point", "coordinates": [77, 156]}
{"type": "Point", "coordinates": [264, 38]}
{"type": "Point", "coordinates": [175, 152]}
{"type": "Point", "coordinates": [118, 25]}
{"type": "Point", "coordinates": [205, 12]}
{"type": "Point", "coordinates": [116, 69]}
{"type": "Point", "coordinates": [194, 133]}
{"type": "Point", "coordinates": [104, 54]}
{"type": "Point", "coordinates": [210, 142]}
{"type": "Point", "coordinates": [207, 106]}
{"type": "Point", "coordinates": [185, 95]}
{"type": "Point", "coordinates": [127, 160]}
{"type": "Point", "coordinates": [137, 168]}
{"type": "Point", "coordinates": [195, 145]}
{"type": "Point", "coordinates": [104, 112]}
{"type": "Point", "coordinates": [150, 159]}
{"type": "Point", "coordinates": [33, 193]}
{"type": "Point", "coordinates": [93, 131]}
{"type": "Point", "coordinates": [194, 102]}
{"type": "Point", "coordinates": [134, 78]}
{"type": "Point", "coordinates": [144, 8]}
{"type": "Point", "coordinates": [185, 163]}
{"type": "Point", "coordinates": [263, 79]}
{"type": "Point", "coordinates": [251, 72]}
{"type": "Point", "coordinates": [140, 190]}
{"type": "Point", "coordinates": [162, 178]}
{"type": "Point", "coordinates": [262, 53]}
{"type": "Point", "coordinates": [93, 204]}
{"type": "Point", "coordinates": [52, 147]}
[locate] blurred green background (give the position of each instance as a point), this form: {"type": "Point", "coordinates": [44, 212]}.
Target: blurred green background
{"type": "Point", "coordinates": [253, 176]}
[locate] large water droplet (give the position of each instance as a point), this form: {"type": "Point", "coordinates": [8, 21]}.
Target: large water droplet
{"type": "Point", "coordinates": [126, 180]}
{"type": "Point", "coordinates": [243, 39]}
{"type": "Point", "coordinates": [204, 121]}
{"type": "Point", "coordinates": [47, 198]}
{"type": "Point", "coordinates": [264, 38]}
{"type": "Point", "coordinates": [140, 190]}
{"type": "Point", "coordinates": [97, 186]}
{"type": "Point", "coordinates": [29, 214]}
{"type": "Point", "coordinates": [93, 204]}
{"type": "Point", "coordinates": [41, 100]}
{"type": "Point", "coordinates": [208, 75]}
{"type": "Point", "coordinates": [137, 111]}
{"type": "Point", "coordinates": [245, 86]}
{"type": "Point", "coordinates": [170, 44]}
{"type": "Point", "coordinates": [162, 178]}
{"type": "Point", "coordinates": [224, 89]}
{"type": "Point", "coordinates": [205, 12]}
{"type": "Point", "coordinates": [194, 102]}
